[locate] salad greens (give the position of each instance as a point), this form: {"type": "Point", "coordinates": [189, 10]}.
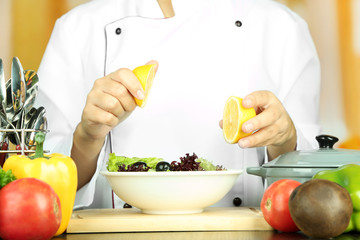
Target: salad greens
{"type": "Point", "coordinates": [187, 163]}
{"type": "Point", "coordinates": [6, 177]}
{"type": "Point", "coordinates": [206, 165]}
{"type": "Point", "coordinates": [116, 161]}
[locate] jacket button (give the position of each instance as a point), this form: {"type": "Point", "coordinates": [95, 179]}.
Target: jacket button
{"type": "Point", "coordinates": [237, 201]}
{"type": "Point", "coordinates": [118, 31]}
{"type": "Point", "coordinates": [238, 23]}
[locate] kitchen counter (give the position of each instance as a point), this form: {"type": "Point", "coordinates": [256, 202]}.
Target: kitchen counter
{"type": "Point", "coordinates": [214, 223]}
{"type": "Point", "coordinates": [228, 235]}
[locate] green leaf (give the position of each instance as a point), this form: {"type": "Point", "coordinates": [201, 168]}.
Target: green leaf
{"type": "Point", "coordinates": [6, 177]}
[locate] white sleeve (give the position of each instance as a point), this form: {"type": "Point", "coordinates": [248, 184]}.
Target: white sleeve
{"type": "Point", "coordinates": [62, 81]}
{"type": "Point", "coordinates": [295, 70]}
{"type": "Point", "coordinates": [91, 194]}
{"type": "Point", "coordinates": [63, 95]}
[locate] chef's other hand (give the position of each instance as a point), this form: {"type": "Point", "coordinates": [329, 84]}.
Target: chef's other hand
{"type": "Point", "coordinates": [273, 125]}
{"type": "Point", "coordinates": [110, 101]}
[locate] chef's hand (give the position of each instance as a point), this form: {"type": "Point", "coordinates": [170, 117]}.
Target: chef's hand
{"type": "Point", "coordinates": [273, 125]}
{"type": "Point", "coordinates": [108, 103]}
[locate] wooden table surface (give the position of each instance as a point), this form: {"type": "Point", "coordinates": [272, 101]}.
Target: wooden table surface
{"type": "Point", "coordinates": [132, 220]}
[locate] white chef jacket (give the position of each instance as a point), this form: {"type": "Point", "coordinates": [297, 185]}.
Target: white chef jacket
{"type": "Point", "coordinates": [210, 50]}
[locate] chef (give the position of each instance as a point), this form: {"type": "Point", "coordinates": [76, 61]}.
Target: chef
{"type": "Point", "coordinates": [204, 51]}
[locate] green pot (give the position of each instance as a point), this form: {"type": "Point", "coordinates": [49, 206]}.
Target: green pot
{"type": "Point", "coordinates": [302, 165]}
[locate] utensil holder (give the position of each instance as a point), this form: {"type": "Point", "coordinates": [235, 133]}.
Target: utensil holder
{"type": "Point", "coordinates": [22, 140]}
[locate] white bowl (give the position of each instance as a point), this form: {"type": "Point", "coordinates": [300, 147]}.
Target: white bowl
{"type": "Point", "coordinates": [172, 192]}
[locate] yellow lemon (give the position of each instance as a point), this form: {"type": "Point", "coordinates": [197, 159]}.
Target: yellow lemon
{"type": "Point", "coordinates": [145, 74]}
{"type": "Point", "coordinates": [233, 118]}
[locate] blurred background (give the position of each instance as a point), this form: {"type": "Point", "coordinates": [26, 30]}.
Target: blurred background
{"type": "Point", "coordinates": [334, 24]}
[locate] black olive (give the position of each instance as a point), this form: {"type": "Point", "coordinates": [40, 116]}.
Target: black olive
{"type": "Point", "coordinates": [140, 165]}
{"type": "Point", "coordinates": [163, 166]}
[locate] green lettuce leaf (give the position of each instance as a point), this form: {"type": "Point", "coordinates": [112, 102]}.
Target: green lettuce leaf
{"type": "Point", "coordinates": [6, 177]}
{"type": "Point", "coordinates": [116, 161]}
{"type": "Point", "coordinates": [206, 165]}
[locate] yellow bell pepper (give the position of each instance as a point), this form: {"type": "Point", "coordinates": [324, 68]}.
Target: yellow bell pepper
{"type": "Point", "coordinates": [58, 170]}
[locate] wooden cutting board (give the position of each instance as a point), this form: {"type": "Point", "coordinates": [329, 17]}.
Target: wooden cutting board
{"type": "Point", "coordinates": [132, 220]}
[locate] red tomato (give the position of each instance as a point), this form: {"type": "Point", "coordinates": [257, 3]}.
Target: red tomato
{"type": "Point", "coordinates": [275, 205]}
{"type": "Point", "coordinates": [29, 209]}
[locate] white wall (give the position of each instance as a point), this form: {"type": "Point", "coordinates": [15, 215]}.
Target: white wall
{"type": "Point", "coordinates": [324, 29]}
{"type": "Point", "coordinates": [5, 34]}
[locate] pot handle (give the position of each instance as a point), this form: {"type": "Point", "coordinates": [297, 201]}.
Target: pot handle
{"type": "Point", "coordinates": [326, 141]}
{"type": "Point", "coordinates": [259, 171]}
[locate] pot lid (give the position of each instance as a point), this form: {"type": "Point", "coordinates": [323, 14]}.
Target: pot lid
{"type": "Point", "coordinates": [325, 156]}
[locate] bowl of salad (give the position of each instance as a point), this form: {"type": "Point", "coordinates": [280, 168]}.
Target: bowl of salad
{"type": "Point", "coordinates": [156, 186]}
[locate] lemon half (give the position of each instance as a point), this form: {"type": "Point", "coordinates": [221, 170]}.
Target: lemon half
{"type": "Point", "coordinates": [233, 118]}
{"type": "Point", "coordinates": [145, 74]}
